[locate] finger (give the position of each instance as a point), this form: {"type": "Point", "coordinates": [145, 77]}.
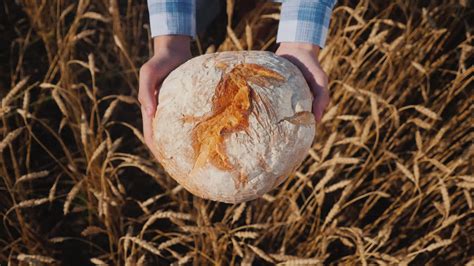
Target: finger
{"type": "Point", "coordinates": [317, 81]}
{"type": "Point", "coordinates": [320, 98]}
{"type": "Point", "coordinates": [148, 89]}
{"type": "Point", "coordinates": [148, 129]}
{"type": "Point", "coordinates": [320, 102]}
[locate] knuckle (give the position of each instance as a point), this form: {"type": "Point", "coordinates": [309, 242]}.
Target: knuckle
{"type": "Point", "coordinates": [145, 69]}
{"type": "Point", "coordinates": [140, 95]}
{"type": "Point", "coordinates": [141, 99]}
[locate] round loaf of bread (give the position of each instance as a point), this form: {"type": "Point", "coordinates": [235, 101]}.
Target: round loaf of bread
{"type": "Point", "coordinates": [231, 126]}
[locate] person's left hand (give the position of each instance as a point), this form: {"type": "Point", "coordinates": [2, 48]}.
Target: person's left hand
{"type": "Point", "coordinates": [170, 52]}
{"type": "Point", "coordinates": [305, 57]}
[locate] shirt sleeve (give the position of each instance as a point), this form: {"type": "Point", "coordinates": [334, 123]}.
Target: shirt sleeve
{"type": "Point", "coordinates": [169, 17]}
{"type": "Point", "coordinates": [305, 21]}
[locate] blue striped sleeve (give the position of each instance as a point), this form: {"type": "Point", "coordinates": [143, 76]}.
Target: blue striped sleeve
{"type": "Point", "coordinates": [168, 17]}
{"type": "Point", "coordinates": [305, 21]}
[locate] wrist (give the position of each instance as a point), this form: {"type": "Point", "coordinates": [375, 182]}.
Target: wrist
{"type": "Point", "coordinates": [172, 43]}
{"type": "Point", "coordinates": [300, 46]}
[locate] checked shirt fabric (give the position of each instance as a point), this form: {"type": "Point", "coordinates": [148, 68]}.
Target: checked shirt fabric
{"type": "Point", "coordinates": [300, 20]}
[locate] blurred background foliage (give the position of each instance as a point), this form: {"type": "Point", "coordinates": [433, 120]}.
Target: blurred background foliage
{"type": "Point", "coordinates": [388, 180]}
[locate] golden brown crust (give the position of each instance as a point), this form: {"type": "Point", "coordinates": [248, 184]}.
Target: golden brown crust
{"type": "Point", "coordinates": [231, 105]}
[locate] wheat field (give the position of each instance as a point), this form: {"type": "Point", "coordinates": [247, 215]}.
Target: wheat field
{"type": "Point", "coordinates": [388, 181]}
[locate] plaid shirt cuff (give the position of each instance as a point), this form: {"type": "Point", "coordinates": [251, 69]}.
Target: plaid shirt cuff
{"type": "Point", "coordinates": [305, 21]}
{"type": "Point", "coordinates": [169, 17]}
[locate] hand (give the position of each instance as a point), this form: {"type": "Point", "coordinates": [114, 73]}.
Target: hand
{"type": "Point", "coordinates": [305, 57]}
{"type": "Point", "coordinates": [170, 52]}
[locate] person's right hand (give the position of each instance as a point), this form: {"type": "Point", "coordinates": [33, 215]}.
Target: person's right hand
{"type": "Point", "coordinates": [305, 57]}
{"type": "Point", "coordinates": [170, 52]}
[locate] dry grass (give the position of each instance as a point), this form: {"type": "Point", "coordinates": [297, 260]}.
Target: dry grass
{"type": "Point", "coordinates": [388, 181]}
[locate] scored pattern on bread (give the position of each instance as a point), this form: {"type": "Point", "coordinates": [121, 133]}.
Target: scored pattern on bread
{"type": "Point", "coordinates": [231, 126]}
{"type": "Point", "coordinates": [230, 111]}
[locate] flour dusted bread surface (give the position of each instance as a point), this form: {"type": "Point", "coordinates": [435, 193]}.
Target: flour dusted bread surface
{"type": "Point", "coordinates": [231, 126]}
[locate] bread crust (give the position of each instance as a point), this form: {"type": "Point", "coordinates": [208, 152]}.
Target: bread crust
{"type": "Point", "coordinates": [231, 126]}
